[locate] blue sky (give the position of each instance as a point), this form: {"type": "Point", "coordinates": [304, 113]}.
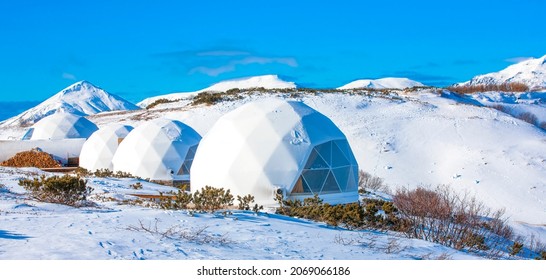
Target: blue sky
{"type": "Point", "coordinates": [143, 48]}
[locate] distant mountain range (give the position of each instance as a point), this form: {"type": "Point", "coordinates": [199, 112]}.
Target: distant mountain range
{"type": "Point", "coordinates": [81, 98]}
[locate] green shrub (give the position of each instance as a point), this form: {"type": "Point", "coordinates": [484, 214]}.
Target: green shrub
{"type": "Point", "coordinates": [245, 201]}
{"type": "Point", "coordinates": [67, 189]}
{"type": "Point", "coordinates": [136, 186]}
{"type": "Point", "coordinates": [103, 173]}
{"type": "Point", "coordinates": [179, 201]}
{"type": "Point", "coordinates": [160, 101]}
{"type": "Point", "coordinates": [208, 98]}
{"type": "Point", "coordinates": [349, 215]}
{"type": "Point", "coordinates": [82, 172]}
{"type": "Point", "coordinates": [515, 248]}
{"type": "Point", "coordinates": [211, 199]}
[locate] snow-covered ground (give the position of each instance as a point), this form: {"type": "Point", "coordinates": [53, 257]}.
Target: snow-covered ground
{"type": "Point", "coordinates": [408, 139]}
{"type": "Point", "coordinates": [110, 230]}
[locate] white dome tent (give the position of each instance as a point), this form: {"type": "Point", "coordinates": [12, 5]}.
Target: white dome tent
{"type": "Point", "coordinates": [60, 126]}
{"type": "Point", "coordinates": [159, 149]}
{"type": "Point", "coordinates": [273, 146]}
{"type": "Point", "coordinates": [98, 151]}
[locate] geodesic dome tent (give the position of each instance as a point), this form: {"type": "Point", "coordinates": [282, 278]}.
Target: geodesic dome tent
{"type": "Point", "coordinates": [59, 126]}
{"type": "Point", "coordinates": [273, 145]}
{"type": "Point", "coordinates": [98, 151]}
{"type": "Point", "coordinates": [159, 149]}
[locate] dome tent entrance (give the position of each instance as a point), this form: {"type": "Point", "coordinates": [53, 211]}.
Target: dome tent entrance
{"type": "Point", "coordinates": [273, 145]}
{"type": "Point", "coordinates": [159, 150]}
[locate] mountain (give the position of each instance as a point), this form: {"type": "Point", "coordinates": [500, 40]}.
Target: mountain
{"type": "Point", "coordinates": [265, 81]}
{"type": "Point", "coordinates": [531, 72]}
{"type": "Point", "coordinates": [396, 83]}
{"type": "Point", "coordinates": [81, 98]}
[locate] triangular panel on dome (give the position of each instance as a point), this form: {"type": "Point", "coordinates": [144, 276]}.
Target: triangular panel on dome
{"type": "Point", "coordinates": [316, 161]}
{"type": "Point", "coordinates": [155, 149]}
{"type": "Point", "coordinates": [315, 179]}
{"type": "Point", "coordinates": [61, 125]}
{"type": "Point", "coordinates": [330, 185]}
{"type": "Point", "coordinates": [273, 145]}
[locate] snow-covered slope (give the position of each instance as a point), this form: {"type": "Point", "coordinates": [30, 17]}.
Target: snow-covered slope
{"type": "Point", "coordinates": [81, 98]}
{"type": "Point", "coordinates": [35, 230]}
{"type": "Point", "coordinates": [408, 140]}
{"type": "Point", "coordinates": [265, 81]}
{"type": "Point", "coordinates": [415, 139]}
{"type": "Point", "coordinates": [393, 83]}
{"type": "Point", "coordinates": [531, 72]}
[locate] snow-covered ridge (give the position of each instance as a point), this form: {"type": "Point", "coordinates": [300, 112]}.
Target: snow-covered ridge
{"type": "Point", "coordinates": [394, 83]}
{"type": "Point", "coordinates": [265, 81]}
{"type": "Point", "coordinates": [81, 98]}
{"type": "Point", "coordinates": [531, 72]}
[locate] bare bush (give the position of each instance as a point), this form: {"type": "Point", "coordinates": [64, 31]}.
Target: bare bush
{"type": "Point", "coordinates": [367, 181]}
{"type": "Point", "coordinates": [457, 221]}
{"type": "Point", "coordinates": [506, 87]}
{"type": "Point", "coordinates": [528, 117]}
{"type": "Point", "coordinates": [500, 108]}
{"type": "Point", "coordinates": [197, 235]}
{"type": "Point", "coordinates": [393, 246]}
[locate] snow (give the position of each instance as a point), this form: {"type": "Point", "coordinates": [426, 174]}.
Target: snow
{"type": "Point", "coordinates": [111, 231]}
{"type": "Point", "coordinates": [265, 81]}
{"type": "Point", "coordinates": [81, 98]}
{"type": "Point", "coordinates": [408, 139]}
{"type": "Point", "coordinates": [531, 72]}
{"type": "Point", "coordinates": [390, 83]}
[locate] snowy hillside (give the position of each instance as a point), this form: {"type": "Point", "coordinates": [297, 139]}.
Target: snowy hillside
{"type": "Point", "coordinates": [408, 139]}
{"type": "Point", "coordinates": [392, 83]}
{"type": "Point", "coordinates": [81, 98]}
{"type": "Point", "coordinates": [418, 138]}
{"type": "Point", "coordinates": [531, 72]}
{"type": "Point", "coordinates": [265, 81]}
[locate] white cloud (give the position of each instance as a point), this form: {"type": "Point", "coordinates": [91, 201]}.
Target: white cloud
{"type": "Point", "coordinates": [230, 67]}
{"type": "Point", "coordinates": [222, 53]}
{"type": "Point", "coordinates": [518, 59]}
{"type": "Point", "coordinates": [68, 76]}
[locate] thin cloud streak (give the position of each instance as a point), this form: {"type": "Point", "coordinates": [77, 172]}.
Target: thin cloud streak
{"type": "Point", "coordinates": [69, 76]}
{"type": "Point", "coordinates": [518, 59]}
{"type": "Point", "coordinates": [232, 65]}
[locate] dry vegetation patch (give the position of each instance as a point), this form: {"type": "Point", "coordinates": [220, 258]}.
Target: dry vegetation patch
{"type": "Point", "coordinates": [32, 158]}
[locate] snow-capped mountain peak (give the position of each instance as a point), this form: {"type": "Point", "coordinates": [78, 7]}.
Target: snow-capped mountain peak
{"type": "Point", "coordinates": [264, 81]}
{"type": "Point", "coordinates": [81, 98]}
{"type": "Point", "coordinates": [394, 83]}
{"type": "Point", "coordinates": [531, 72]}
